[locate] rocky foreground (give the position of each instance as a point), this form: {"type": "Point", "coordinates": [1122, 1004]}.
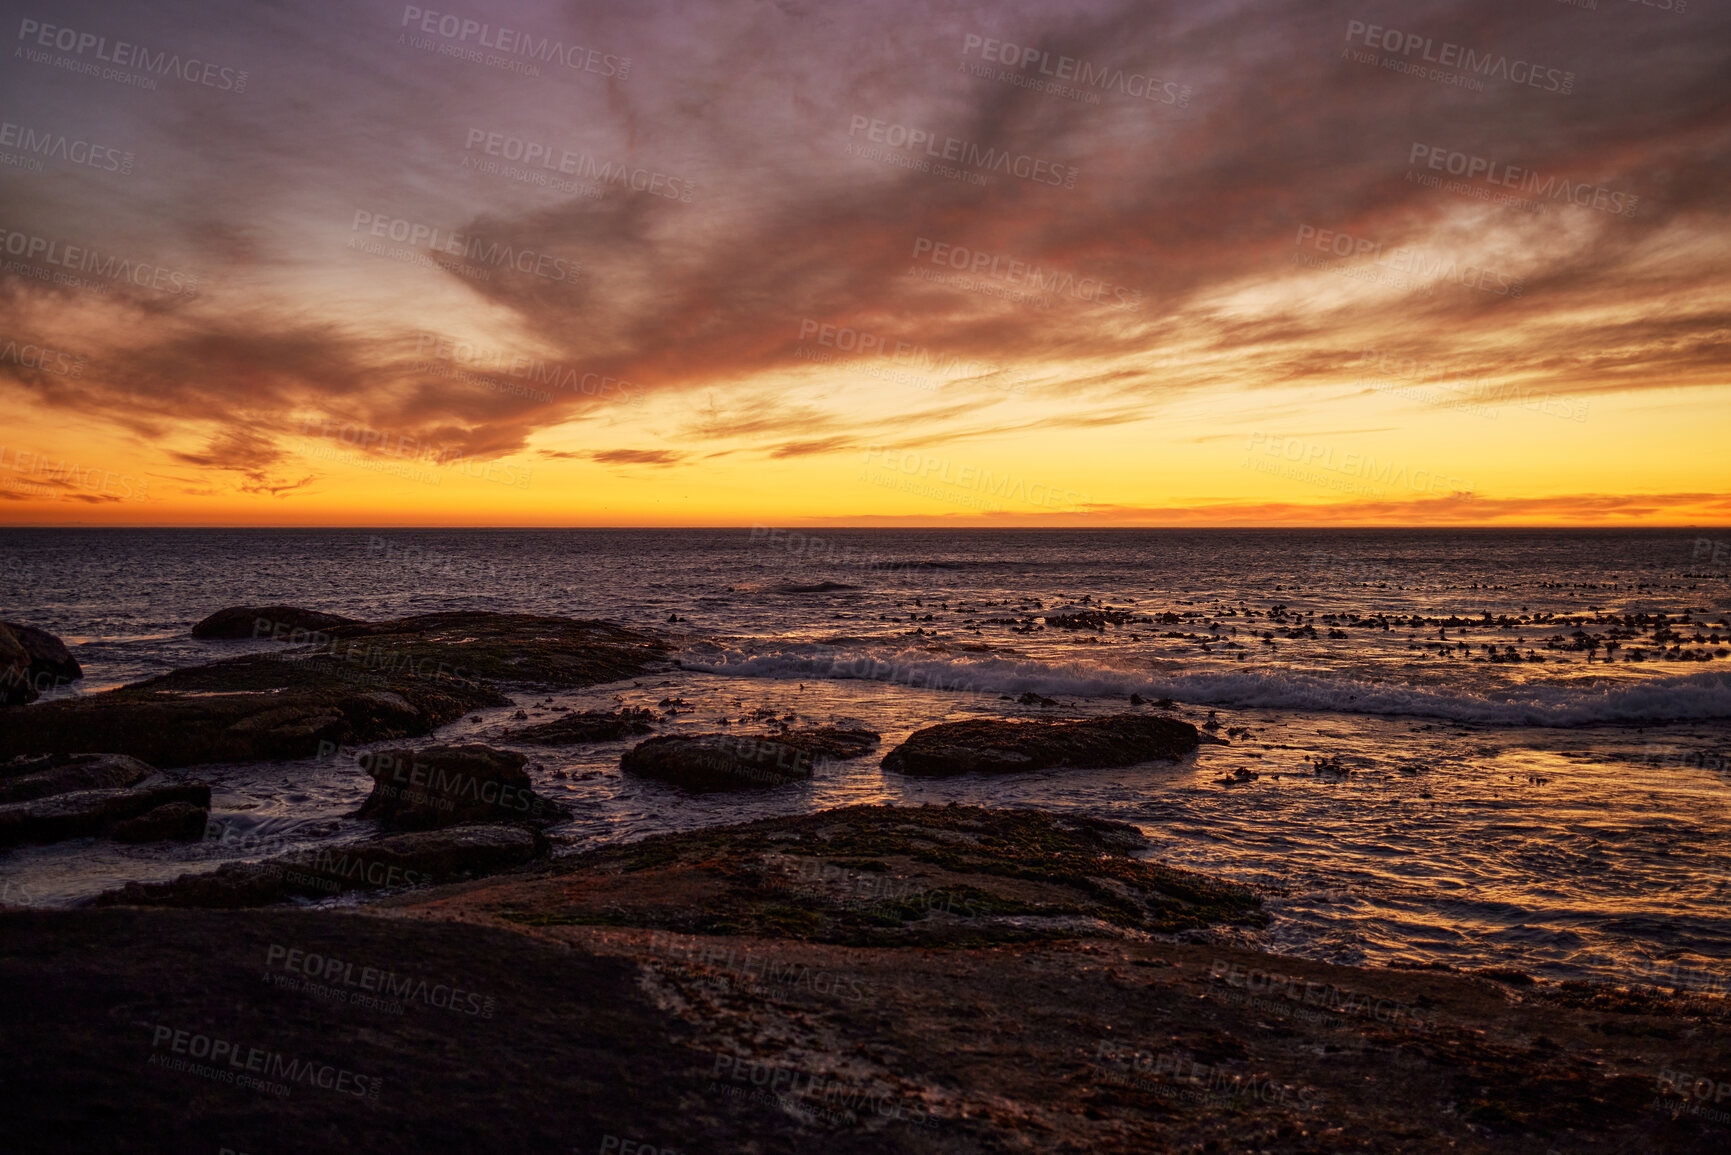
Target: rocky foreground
{"type": "Point", "coordinates": [932, 979]}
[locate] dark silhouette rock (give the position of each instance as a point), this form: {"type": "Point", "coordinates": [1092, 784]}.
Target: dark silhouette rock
{"type": "Point", "coordinates": [51, 663]}
{"type": "Point", "coordinates": [366, 682]}
{"type": "Point", "coordinates": [283, 623]}
{"type": "Point", "coordinates": [415, 859]}
{"type": "Point", "coordinates": [452, 786]}
{"type": "Point", "coordinates": [91, 813]}
{"type": "Point", "coordinates": [15, 686]}
{"type": "Point", "coordinates": [26, 779]}
{"type": "Point", "coordinates": [177, 821]}
{"type": "Point", "coordinates": [706, 763]}
{"type": "Point", "coordinates": [990, 746]}
{"type": "Point", "coordinates": [597, 726]}
{"type": "Point", "coordinates": [1077, 618]}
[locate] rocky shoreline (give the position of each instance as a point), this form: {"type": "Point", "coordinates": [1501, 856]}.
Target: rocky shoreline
{"type": "Point", "coordinates": [869, 978]}
{"type": "Point", "coordinates": [929, 979]}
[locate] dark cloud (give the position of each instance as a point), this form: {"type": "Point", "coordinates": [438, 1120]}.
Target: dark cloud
{"type": "Point", "coordinates": [1174, 249]}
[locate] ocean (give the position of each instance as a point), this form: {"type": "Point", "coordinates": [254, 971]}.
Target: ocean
{"type": "Point", "coordinates": [1477, 807]}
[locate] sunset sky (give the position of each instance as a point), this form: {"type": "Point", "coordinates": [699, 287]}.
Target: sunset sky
{"type": "Point", "coordinates": [801, 263]}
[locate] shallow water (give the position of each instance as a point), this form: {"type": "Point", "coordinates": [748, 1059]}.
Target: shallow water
{"type": "Point", "coordinates": [1567, 816]}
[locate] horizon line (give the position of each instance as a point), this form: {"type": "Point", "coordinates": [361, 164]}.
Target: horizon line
{"type": "Point", "coordinates": [793, 526]}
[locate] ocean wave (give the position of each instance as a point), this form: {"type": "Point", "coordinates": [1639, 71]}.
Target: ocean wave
{"type": "Point", "coordinates": [1660, 699]}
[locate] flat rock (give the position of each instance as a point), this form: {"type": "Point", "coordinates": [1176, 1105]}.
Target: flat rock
{"type": "Point", "coordinates": [51, 663]}
{"type": "Point", "coordinates": [91, 813]}
{"type": "Point", "coordinates": [430, 856]}
{"type": "Point", "coordinates": [875, 876]}
{"type": "Point", "coordinates": [26, 779]}
{"type": "Point", "coordinates": [284, 623]}
{"type": "Point", "coordinates": [706, 763]}
{"type": "Point", "coordinates": [991, 746]}
{"type": "Point", "coordinates": [531, 649]}
{"type": "Point", "coordinates": [594, 726]}
{"type": "Point", "coordinates": [364, 682]}
{"type": "Point", "coordinates": [442, 786]}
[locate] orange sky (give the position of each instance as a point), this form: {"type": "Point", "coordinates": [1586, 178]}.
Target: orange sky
{"type": "Point", "coordinates": [700, 264]}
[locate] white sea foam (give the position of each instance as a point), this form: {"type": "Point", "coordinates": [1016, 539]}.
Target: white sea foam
{"type": "Point", "coordinates": [1681, 698]}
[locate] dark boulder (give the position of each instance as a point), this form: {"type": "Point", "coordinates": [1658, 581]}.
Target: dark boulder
{"type": "Point", "coordinates": [990, 746]}
{"type": "Point", "coordinates": [705, 763]}
{"type": "Point", "coordinates": [401, 860]}
{"type": "Point", "coordinates": [91, 813]}
{"type": "Point", "coordinates": [177, 821]}
{"type": "Point", "coordinates": [26, 779]}
{"type": "Point", "coordinates": [257, 708]}
{"type": "Point", "coordinates": [51, 663]}
{"type": "Point", "coordinates": [15, 686]}
{"type": "Point", "coordinates": [452, 786]}
{"type": "Point", "coordinates": [366, 682]}
{"type": "Point", "coordinates": [598, 726]}
{"type": "Point", "coordinates": [283, 623]}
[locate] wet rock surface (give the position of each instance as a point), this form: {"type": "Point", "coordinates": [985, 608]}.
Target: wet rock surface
{"type": "Point", "coordinates": [994, 746]}
{"type": "Point", "coordinates": [95, 813]}
{"type": "Point", "coordinates": [918, 980]}
{"type": "Point", "coordinates": [26, 778]}
{"type": "Point", "coordinates": [367, 682]}
{"type": "Point", "coordinates": [400, 860]}
{"type": "Point", "coordinates": [709, 763]}
{"type": "Point", "coordinates": [887, 875]}
{"type": "Point", "coordinates": [441, 786]}
{"type": "Point", "coordinates": [283, 623]}
{"type": "Point", "coordinates": [587, 726]}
